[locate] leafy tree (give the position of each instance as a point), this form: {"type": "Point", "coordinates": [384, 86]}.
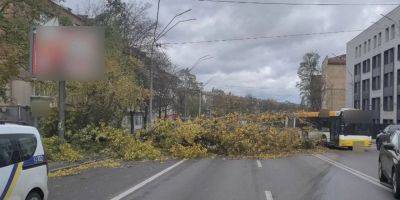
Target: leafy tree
{"type": "Point", "coordinates": [310, 84]}
{"type": "Point", "coordinates": [17, 17]}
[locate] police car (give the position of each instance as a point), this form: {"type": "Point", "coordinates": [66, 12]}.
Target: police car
{"type": "Point", "coordinates": [23, 166]}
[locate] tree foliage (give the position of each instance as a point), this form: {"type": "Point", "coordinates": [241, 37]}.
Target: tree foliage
{"type": "Point", "coordinates": [17, 17]}
{"type": "Point", "coordinates": [310, 84]}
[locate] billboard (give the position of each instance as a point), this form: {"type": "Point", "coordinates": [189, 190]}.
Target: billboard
{"type": "Point", "coordinates": [67, 53]}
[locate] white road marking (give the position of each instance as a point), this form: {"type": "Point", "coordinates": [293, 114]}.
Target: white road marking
{"type": "Point", "coordinates": [259, 164]}
{"type": "Point", "coordinates": [268, 195]}
{"type": "Point", "coordinates": [353, 171]}
{"type": "Point", "coordinates": [138, 186]}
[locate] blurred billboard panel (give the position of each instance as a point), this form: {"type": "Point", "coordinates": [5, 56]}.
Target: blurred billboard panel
{"type": "Point", "coordinates": [67, 53]}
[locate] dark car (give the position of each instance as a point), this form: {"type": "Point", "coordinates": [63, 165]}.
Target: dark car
{"type": "Point", "coordinates": [385, 134]}
{"type": "Point", "coordinates": [389, 166]}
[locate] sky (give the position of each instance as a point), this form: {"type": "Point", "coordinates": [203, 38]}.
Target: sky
{"type": "Point", "coordinates": [263, 68]}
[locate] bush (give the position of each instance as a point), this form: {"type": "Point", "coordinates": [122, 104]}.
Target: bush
{"type": "Point", "coordinates": [233, 135]}
{"type": "Point", "coordinates": [56, 150]}
{"type": "Point", "coordinates": [195, 151]}
{"type": "Point", "coordinates": [121, 145]}
{"type": "Point", "coordinates": [86, 138]}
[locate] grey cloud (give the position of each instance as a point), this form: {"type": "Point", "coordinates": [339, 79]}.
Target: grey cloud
{"type": "Point", "coordinates": [246, 63]}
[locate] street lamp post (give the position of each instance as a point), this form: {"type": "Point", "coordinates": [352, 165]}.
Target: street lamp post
{"type": "Point", "coordinates": [131, 119]}
{"type": "Point", "coordinates": [198, 61]}
{"type": "Point", "coordinates": [200, 94]}
{"type": "Point", "coordinates": [155, 39]}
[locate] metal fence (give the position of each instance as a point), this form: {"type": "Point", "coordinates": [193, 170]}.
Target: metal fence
{"type": "Point", "coordinates": [17, 114]}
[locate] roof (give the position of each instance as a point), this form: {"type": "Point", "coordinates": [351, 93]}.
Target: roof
{"type": "Point", "coordinates": [338, 60]}
{"type": "Point", "coordinates": [376, 23]}
{"type": "Point", "coordinates": [67, 11]}
{"type": "Point", "coordinates": [9, 128]}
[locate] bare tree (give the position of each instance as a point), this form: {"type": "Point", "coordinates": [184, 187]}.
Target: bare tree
{"type": "Point", "coordinates": [311, 83]}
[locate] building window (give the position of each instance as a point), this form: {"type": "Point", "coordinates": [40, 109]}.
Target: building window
{"type": "Point", "coordinates": [357, 87]}
{"type": "Point", "coordinates": [364, 67]}
{"type": "Point", "coordinates": [388, 103]}
{"type": "Point", "coordinates": [376, 83]}
{"type": "Point", "coordinates": [356, 55]}
{"type": "Point", "coordinates": [391, 79]}
{"type": "Point", "coordinates": [365, 47]}
{"type": "Point", "coordinates": [365, 104]}
{"type": "Point", "coordinates": [398, 102]}
{"type": "Point", "coordinates": [385, 103]}
{"type": "Point", "coordinates": [376, 61]}
{"type": "Point", "coordinates": [388, 56]}
{"type": "Point", "coordinates": [364, 86]}
{"type": "Point", "coordinates": [369, 45]}
{"type": "Point", "coordinates": [359, 50]}
{"type": "Point", "coordinates": [392, 32]}
{"type": "Point", "coordinates": [357, 104]}
{"type": "Point", "coordinates": [376, 103]}
{"type": "Point", "coordinates": [373, 62]}
{"type": "Point", "coordinates": [398, 77]}
{"type": "Point", "coordinates": [379, 38]}
{"type": "Point", "coordinates": [373, 107]}
{"type": "Point", "coordinates": [398, 52]}
{"type": "Point", "coordinates": [386, 80]}
{"type": "Point", "coordinates": [357, 69]}
{"type": "Point", "coordinates": [387, 34]}
{"type": "Point", "coordinates": [391, 55]}
{"type": "Point", "coordinates": [375, 41]}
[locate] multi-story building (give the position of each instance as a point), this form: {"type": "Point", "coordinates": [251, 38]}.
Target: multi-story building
{"type": "Point", "coordinates": [334, 74]}
{"type": "Point", "coordinates": [373, 70]}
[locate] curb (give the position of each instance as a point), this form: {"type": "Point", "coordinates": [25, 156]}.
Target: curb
{"type": "Point", "coordinates": [75, 165]}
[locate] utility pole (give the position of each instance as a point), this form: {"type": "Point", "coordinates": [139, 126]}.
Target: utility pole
{"type": "Point", "coordinates": [155, 39]}
{"type": "Point", "coordinates": [150, 113]}
{"type": "Point", "coordinates": [200, 99]}
{"type": "Point", "coordinates": [200, 94]}
{"type": "Point", "coordinates": [61, 107]}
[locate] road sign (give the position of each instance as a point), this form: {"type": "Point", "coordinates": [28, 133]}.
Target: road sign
{"type": "Point", "coordinates": [67, 53]}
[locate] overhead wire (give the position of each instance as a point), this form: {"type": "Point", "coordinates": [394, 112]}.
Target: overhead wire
{"type": "Point", "coordinates": [300, 4]}
{"type": "Point", "coordinates": [260, 37]}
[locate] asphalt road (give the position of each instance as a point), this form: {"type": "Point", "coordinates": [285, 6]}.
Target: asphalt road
{"type": "Point", "coordinates": [334, 175]}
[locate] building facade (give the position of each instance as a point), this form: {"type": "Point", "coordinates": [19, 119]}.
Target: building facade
{"type": "Point", "coordinates": [334, 73]}
{"type": "Point", "coordinates": [373, 69]}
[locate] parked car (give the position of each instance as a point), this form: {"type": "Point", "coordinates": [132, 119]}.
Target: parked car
{"type": "Point", "coordinates": [23, 165]}
{"type": "Point", "coordinates": [385, 134]}
{"type": "Point", "coordinates": [388, 166]}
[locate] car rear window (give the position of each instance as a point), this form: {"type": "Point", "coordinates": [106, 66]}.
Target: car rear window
{"type": "Point", "coordinates": [16, 148]}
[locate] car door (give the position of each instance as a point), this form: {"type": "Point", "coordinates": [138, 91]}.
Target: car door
{"type": "Point", "coordinates": [32, 172]}
{"type": "Point", "coordinates": [9, 157]}
{"type": "Point", "coordinates": [390, 155]}
{"type": "Point", "coordinates": [387, 133]}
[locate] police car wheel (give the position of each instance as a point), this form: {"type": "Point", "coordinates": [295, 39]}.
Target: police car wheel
{"type": "Point", "coordinates": [33, 196]}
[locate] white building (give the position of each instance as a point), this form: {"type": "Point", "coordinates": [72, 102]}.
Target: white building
{"type": "Point", "coordinates": [373, 70]}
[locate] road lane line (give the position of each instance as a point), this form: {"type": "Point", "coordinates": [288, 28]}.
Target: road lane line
{"type": "Point", "coordinates": [268, 195]}
{"type": "Point", "coordinates": [353, 171]}
{"type": "Point", "coordinates": [148, 180]}
{"type": "Point", "coordinates": [348, 168]}
{"type": "Point", "coordinates": [259, 164]}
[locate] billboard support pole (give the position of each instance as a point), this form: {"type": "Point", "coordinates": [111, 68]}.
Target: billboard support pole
{"type": "Point", "coordinates": [61, 110]}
